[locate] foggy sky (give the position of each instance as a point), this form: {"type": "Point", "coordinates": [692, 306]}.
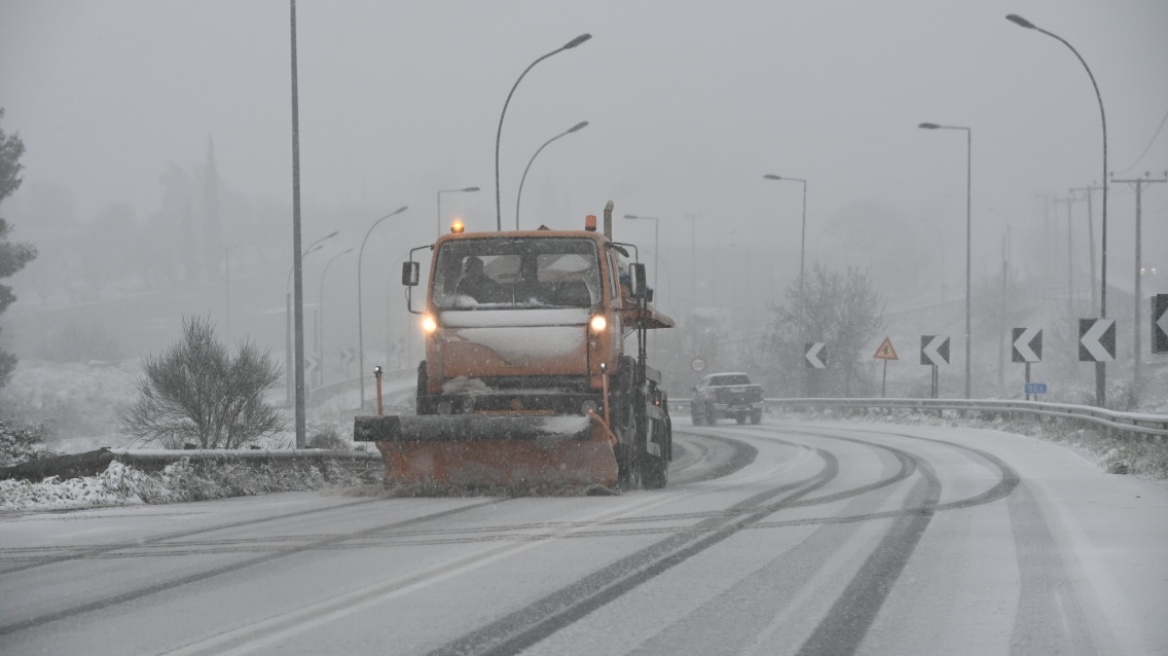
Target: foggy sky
{"type": "Point", "coordinates": [689, 104]}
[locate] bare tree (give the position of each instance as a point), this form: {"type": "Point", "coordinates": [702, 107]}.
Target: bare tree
{"type": "Point", "coordinates": [842, 310]}
{"type": "Point", "coordinates": [196, 393]}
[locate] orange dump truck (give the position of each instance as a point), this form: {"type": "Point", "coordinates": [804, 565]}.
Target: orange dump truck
{"type": "Point", "coordinates": [526, 382]}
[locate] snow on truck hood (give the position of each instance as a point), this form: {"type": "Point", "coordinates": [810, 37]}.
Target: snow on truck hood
{"type": "Point", "coordinates": [514, 318]}
{"type": "Point", "coordinates": [520, 337]}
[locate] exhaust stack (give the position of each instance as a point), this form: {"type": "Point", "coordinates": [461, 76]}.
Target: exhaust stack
{"type": "Point", "coordinates": [608, 219]}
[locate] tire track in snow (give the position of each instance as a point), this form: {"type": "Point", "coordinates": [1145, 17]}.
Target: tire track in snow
{"type": "Point", "coordinates": [270, 556]}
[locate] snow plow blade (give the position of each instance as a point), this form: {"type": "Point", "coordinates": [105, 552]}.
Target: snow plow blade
{"type": "Point", "coordinates": [526, 452]}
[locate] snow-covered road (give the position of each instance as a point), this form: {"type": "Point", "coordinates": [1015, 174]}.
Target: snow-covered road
{"type": "Point", "coordinates": [776, 539]}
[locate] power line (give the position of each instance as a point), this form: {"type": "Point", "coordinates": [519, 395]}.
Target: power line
{"type": "Point", "coordinates": [1150, 144]}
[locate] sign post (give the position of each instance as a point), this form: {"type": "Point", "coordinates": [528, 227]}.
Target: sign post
{"type": "Point", "coordinates": [885, 352]}
{"type": "Point", "coordinates": [1160, 323]}
{"type": "Point", "coordinates": [934, 352]}
{"type": "Point", "coordinates": [1026, 346]}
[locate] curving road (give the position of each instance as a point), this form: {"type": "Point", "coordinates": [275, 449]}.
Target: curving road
{"type": "Point", "coordinates": [775, 539]}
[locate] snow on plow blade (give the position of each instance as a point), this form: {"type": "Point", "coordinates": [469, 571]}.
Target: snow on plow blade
{"type": "Point", "coordinates": [478, 451]}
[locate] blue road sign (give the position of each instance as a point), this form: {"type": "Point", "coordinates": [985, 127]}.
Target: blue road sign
{"type": "Point", "coordinates": [1036, 388]}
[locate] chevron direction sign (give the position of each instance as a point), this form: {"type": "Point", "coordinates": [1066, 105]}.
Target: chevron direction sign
{"type": "Point", "coordinates": [935, 349]}
{"type": "Point", "coordinates": [1096, 340]}
{"type": "Point", "coordinates": [310, 363]}
{"type": "Point", "coordinates": [1027, 345]}
{"type": "Point", "coordinates": [815, 355]}
{"type": "Point", "coordinates": [1160, 323]}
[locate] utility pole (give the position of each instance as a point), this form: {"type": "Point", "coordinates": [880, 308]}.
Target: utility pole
{"type": "Point", "coordinates": [1139, 184]}
{"type": "Point", "coordinates": [1069, 201]}
{"type": "Point", "coordinates": [1089, 191]}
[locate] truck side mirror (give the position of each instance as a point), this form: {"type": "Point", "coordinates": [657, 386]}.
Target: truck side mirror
{"type": "Point", "coordinates": [410, 273]}
{"type": "Point", "coordinates": [639, 286]}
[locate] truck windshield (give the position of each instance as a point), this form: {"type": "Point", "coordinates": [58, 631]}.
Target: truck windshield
{"type": "Point", "coordinates": [508, 273]}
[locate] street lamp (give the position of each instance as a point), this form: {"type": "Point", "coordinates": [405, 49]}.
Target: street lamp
{"type": "Point", "coordinates": [1100, 367]}
{"type": "Point", "coordinates": [360, 327]}
{"type": "Point", "coordinates": [449, 191]}
{"type": "Point", "coordinates": [290, 372]}
{"type": "Point", "coordinates": [320, 311]}
{"type": "Point", "coordinates": [968, 235]}
{"type": "Point", "coordinates": [802, 251]}
{"type": "Point", "coordinates": [656, 250]}
{"type": "Point", "coordinates": [499, 133]}
{"type": "Point", "coordinates": [656, 242]}
{"type": "Point", "coordinates": [579, 126]}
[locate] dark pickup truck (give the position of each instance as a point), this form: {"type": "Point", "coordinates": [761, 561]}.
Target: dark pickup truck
{"type": "Point", "coordinates": [726, 395]}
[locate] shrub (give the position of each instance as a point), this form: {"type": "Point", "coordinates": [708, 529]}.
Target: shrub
{"type": "Point", "coordinates": [20, 445]}
{"type": "Point", "coordinates": [196, 393]}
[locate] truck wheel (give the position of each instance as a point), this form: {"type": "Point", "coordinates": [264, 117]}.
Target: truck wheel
{"type": "Point", "coordinates": [626, 467]}
{"type": "Point", "coordinates": [697, 416]}
{"type": "Point", "coordinates": [756, 417]}
{"type": "Point", "coordinates": [654, 472]}
{"type": "Point", "coordinates": [711, 416]}
{"type": "Point", "coordinates": [741, 419]}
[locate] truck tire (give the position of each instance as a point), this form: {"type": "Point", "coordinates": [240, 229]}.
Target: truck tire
{"type": "Point", "coordinates": [626, 422]}
{"type": "Point", "coordinates": [695, 415]}
{"type": "Point", "coordinates": [710, 416]}
{"type": "Point", "coordinates": [654, 472]}
{"type": "Point", "coordinates": [741, 419]}
{"type": "Point", "coordinates": [756, 417]}
{"type": "Point", "coordinates": [424, 403]}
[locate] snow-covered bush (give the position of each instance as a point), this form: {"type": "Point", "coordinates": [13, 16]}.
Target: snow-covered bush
{"type": "Point", "coordinates": [20, 445]}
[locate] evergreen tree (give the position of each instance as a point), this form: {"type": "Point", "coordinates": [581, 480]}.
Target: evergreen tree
{"type": "Point", "coordinates": [13, 256]}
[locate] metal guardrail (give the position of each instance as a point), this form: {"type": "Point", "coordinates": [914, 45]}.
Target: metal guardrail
{"type": "Point", "coordinates": [1137, 423]}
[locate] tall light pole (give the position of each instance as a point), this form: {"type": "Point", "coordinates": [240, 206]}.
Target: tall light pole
{"type": "Point", "coordinates": [360, 325]}
{"type": "Point", "coordinates": [802, 302]}
{"type": "Point", "coordinates": [449, 191]}
{"type": "Point", "coordinates": [289, 361]}
{"type": "Point", "coordinates": [296, 253]}
{"type": "Point", "coordinates": [1100, 367]}
{"type": "Point", "coordinates": [693, 261]}
{"type": "Point", "coordinates": [499, 133]}
{"type": "Point", "coordinates": [968, 237]}
{"type": "Point", "coordinates": [575, 128]}
{"type": "Point", "coordinates": [656, 243]}
{"type": "Point", "coordinates": [320, 310]}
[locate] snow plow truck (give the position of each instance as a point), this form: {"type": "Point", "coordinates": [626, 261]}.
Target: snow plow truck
{"type": "Point", "coordinates": [527, 384]}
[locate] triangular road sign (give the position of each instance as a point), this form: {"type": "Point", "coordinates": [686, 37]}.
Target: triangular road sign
{"type": "Point", "coordinates": [885, 352]}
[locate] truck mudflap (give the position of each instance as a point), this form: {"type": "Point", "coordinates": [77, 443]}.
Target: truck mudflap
{"type": "Point", "coordinates": [525, 452]}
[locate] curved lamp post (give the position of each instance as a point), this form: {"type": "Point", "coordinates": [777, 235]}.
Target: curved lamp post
{"type": "Point", "coordinates": [656, 249]}
{"type": "Point", "coordinates": [360, 328]}
{"type": "Point", "coordinates": [320, 310]}
{"type": "Point", "coordinates": [656, 242]}
{"type": "Point", "coordinates": [449, 191]}
{"type": "Point", "coordinates": [968, 233]}
{"type": "Point", "coordinates": [1100, 367]}
{"type": "Point", "coordinates": [289, 372]}
{"type": "Point", "coordinates": [499, 133]}
{"type": "Point", "coordinates": [802, 250]}
{"type": "Point", "coordinates": [575, 128]}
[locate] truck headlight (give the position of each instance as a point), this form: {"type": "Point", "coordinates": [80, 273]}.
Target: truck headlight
{"type": "Point", "coordinates": [429, 324]}
{"type": "Point", "coordinates": [598, 323]}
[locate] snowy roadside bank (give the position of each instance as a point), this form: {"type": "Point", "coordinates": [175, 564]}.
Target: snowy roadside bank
{"type": "Point", "coordinates": [180, 481]}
